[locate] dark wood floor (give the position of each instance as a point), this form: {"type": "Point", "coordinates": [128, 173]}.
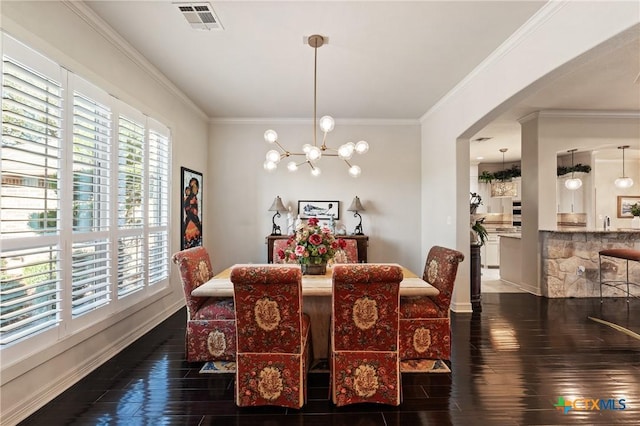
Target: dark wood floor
{"type": "Point", "coordinates": [509, 366]}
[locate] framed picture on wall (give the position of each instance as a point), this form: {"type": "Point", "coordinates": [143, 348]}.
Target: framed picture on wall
{"type": "Point", "coordinates": [322, 210]}
{"type": "Point", "coordinates": [191, 209]}
{"type": "Point", "coordinates": [624, 204]}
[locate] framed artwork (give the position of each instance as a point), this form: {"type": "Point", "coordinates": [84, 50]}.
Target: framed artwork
{"type": "Point", "coordinates": [624, 204]}
{"type": "Point", "coordinates": [191, 209]}
{"type": "Point", "coordinates": [319, 209]}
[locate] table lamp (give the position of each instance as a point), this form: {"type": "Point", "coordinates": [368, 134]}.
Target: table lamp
{"type": "Point", "coordinates": [277, 207]}
{"type": "Point", "coordinates": [355, 207]}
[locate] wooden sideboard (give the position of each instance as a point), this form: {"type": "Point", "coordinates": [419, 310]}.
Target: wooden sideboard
{"type": "Point", "coordinates": [361, 240]}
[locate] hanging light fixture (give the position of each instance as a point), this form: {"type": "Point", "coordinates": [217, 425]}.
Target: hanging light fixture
{"type": "Point", "coordinates": [313, 153]}
{"type": "Point", "coordinates": [573, 183]}
{"type": "Point", "coordinates": [623, 181]}
{"type": "Point", "coordinates": [503, 188]}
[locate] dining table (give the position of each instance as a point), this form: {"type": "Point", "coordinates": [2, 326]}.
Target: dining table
{"type": "Point", "coordinates": [316, 293]}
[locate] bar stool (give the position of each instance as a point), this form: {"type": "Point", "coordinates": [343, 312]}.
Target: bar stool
{"type": "Point", "coordinates": [618, 253]}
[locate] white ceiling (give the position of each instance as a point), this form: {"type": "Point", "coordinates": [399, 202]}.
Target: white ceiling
{"type": "Point", "coordinates": [384, 60]}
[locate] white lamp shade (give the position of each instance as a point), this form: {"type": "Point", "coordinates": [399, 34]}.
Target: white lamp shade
{"type": "Point", "coordinates": [269, 166]}
{"type": "Point", "coordinates": [327, 123]}
{"type": "Point", "coordinates": [362, 147]}
{"type": "Point", "coordinates": [355, 171]}
{"type": "Point", "coordinates": [270, 136]}
{"type": "Point", "coordinates": [306, 147]}
{"type": "Point", "coordinates": [316, 171]}
{"type": "Point", "coordinates": [346, 151]}
{"type": "Point", "coordinates": [292, 166]}
{"type": "Point", "coordinates": [623, 182]}
{"type": "Point", "coordinates": [573, 183]}
{"type": "Point", "coordinates": [314, 153]}
{"type": "Point", "coordinates": [273, 156]}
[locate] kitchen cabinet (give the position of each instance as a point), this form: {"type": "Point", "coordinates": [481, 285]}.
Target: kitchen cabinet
{"type": "Point", "coordinates": [491, 252]}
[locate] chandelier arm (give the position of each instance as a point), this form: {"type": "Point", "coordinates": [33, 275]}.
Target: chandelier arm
{"type": "Point", "coordinates": [324, 138]}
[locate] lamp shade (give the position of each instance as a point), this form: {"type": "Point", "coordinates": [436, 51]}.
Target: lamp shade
{"type": "Point", "coordinates": [504, 189]}
{"type": "Point", "coordinates": [356, 205]}
{"type": "Point", "coordinates": [623, 182]}
{"type": "Point", "coordinates": [573, 183]}
{"type": "Point", "coordinates": [277, 206]}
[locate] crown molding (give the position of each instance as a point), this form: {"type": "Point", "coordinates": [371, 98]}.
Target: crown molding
{"type": "Point", "coordinates": [101, 27]}
{"type": "Point", "coordinates": [567, 113]}
{"type": "Point", "coordinates": [309, 121]}
{"type": "Point", "coordinates": [537, 20]}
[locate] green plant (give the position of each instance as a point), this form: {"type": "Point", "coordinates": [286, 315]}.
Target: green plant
{"type": "Point", "coordinates": [563, 170]}
{"type": "Point", "coordinates": [635, 209]}
{"type": "Point", "coordinates": [486, 177]}
{"type": "Point", "coordinates": [502, 175]}
{"type": "Point", "coordinates": [480, 231]}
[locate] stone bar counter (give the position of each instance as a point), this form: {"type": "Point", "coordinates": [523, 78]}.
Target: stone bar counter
{"type": "Point", "coordinates": [570, 265]}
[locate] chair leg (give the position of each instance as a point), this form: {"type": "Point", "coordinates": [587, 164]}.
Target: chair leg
{"type": "Point", "coordinates": [600, 275]}
{"type": "Point", "coordinates": [628, 281]}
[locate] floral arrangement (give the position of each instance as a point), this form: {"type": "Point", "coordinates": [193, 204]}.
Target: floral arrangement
{"type": "Point", "coordinates": [312, 244]}
{"type": "Point", "coordinates": [635, 209]}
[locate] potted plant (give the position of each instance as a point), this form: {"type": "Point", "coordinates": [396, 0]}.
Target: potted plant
{"type": "Point", "coordinates": [635, 212]}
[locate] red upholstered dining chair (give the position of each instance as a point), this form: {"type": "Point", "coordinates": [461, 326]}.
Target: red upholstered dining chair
{"type": "Point", "coordinates": [425, 326]}
{"type": "Point", "coordinates": [279, 246]}
{"type": "Point", "coordinates": [273, 336]}
{"type": "Point", "coordinates": [365, 363]}
{"type": "Point", "coordinates": [348, 253]}
{"type": "Point", "coordinates": [211, 325]}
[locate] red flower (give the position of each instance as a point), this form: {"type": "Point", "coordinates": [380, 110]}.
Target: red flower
{"type": "Point", "coordinates": [315, 239]}
{"type": "Point", "coordinates": [342, 243]}
{"type": "Point", "coordinates": [313, 221]}
{"type": "Point", "coordinates": [281, 253]}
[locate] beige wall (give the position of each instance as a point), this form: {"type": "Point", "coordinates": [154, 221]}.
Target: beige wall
{"type": "Point", "coordinates": [241, 191]}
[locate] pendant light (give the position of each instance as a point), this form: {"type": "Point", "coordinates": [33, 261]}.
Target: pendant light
{"type": "Point", "coordinates": [623, 182]}
{"type": "Point", "coordinates": [503, 188]}
{"type": "Point", "coordinates": [573, 183]}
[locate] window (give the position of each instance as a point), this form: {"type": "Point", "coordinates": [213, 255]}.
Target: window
{"type": "Point", "coordinates": [84, 200]}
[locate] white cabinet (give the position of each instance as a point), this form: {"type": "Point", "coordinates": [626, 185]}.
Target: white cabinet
{"type": "Point", "coordinates": [490, 253]}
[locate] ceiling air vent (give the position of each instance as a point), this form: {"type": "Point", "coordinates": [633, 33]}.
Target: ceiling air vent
{"type": "Point", "coordinates": [200, 15]}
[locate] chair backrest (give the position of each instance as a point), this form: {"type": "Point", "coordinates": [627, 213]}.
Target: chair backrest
{"type": "Point", "coordinates": [440, 271]}
{"type": "Point", "coordinates": [366, 300]}
{"type": "Point", "coordinates": [351, 250]}
{"type": "Point", "coordinates": [279, 246]}
{"type": "Point", "coordinates": [268, 303]}
{"type": "Point", "coordinates": [195, 269]}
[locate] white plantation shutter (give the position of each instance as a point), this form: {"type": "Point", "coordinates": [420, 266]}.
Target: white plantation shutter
{"type": "Point", "coordinates": [131, 217]}
{"type": "Point", "coordinates": [31, 139]}
{"type": "Point", "coordinates": [90, 276]}
{"type": "Point", "coordinates": [84, 204]}
{"type": "Point", "coordinates": [131, 153]}
{"type": "Point", "coordinates": [130, 265]}
{"type": "Point", "coordinates": [30, 292]}
{"type": "Point", "coordinates": [91, 257]}
{"type": "Point", "coordinates": [158, 256]}
{"type": "Point", "coordinates": [30, 279]}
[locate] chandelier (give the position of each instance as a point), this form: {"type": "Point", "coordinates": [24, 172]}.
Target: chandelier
{"type": "Point", "coordinates": [313, 153]}
{"type": "Point", "coordinates": [503, 188]}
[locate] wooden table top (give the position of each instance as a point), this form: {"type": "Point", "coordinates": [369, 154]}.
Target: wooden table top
{"type": "Point", "coordinates": [314, 285]}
